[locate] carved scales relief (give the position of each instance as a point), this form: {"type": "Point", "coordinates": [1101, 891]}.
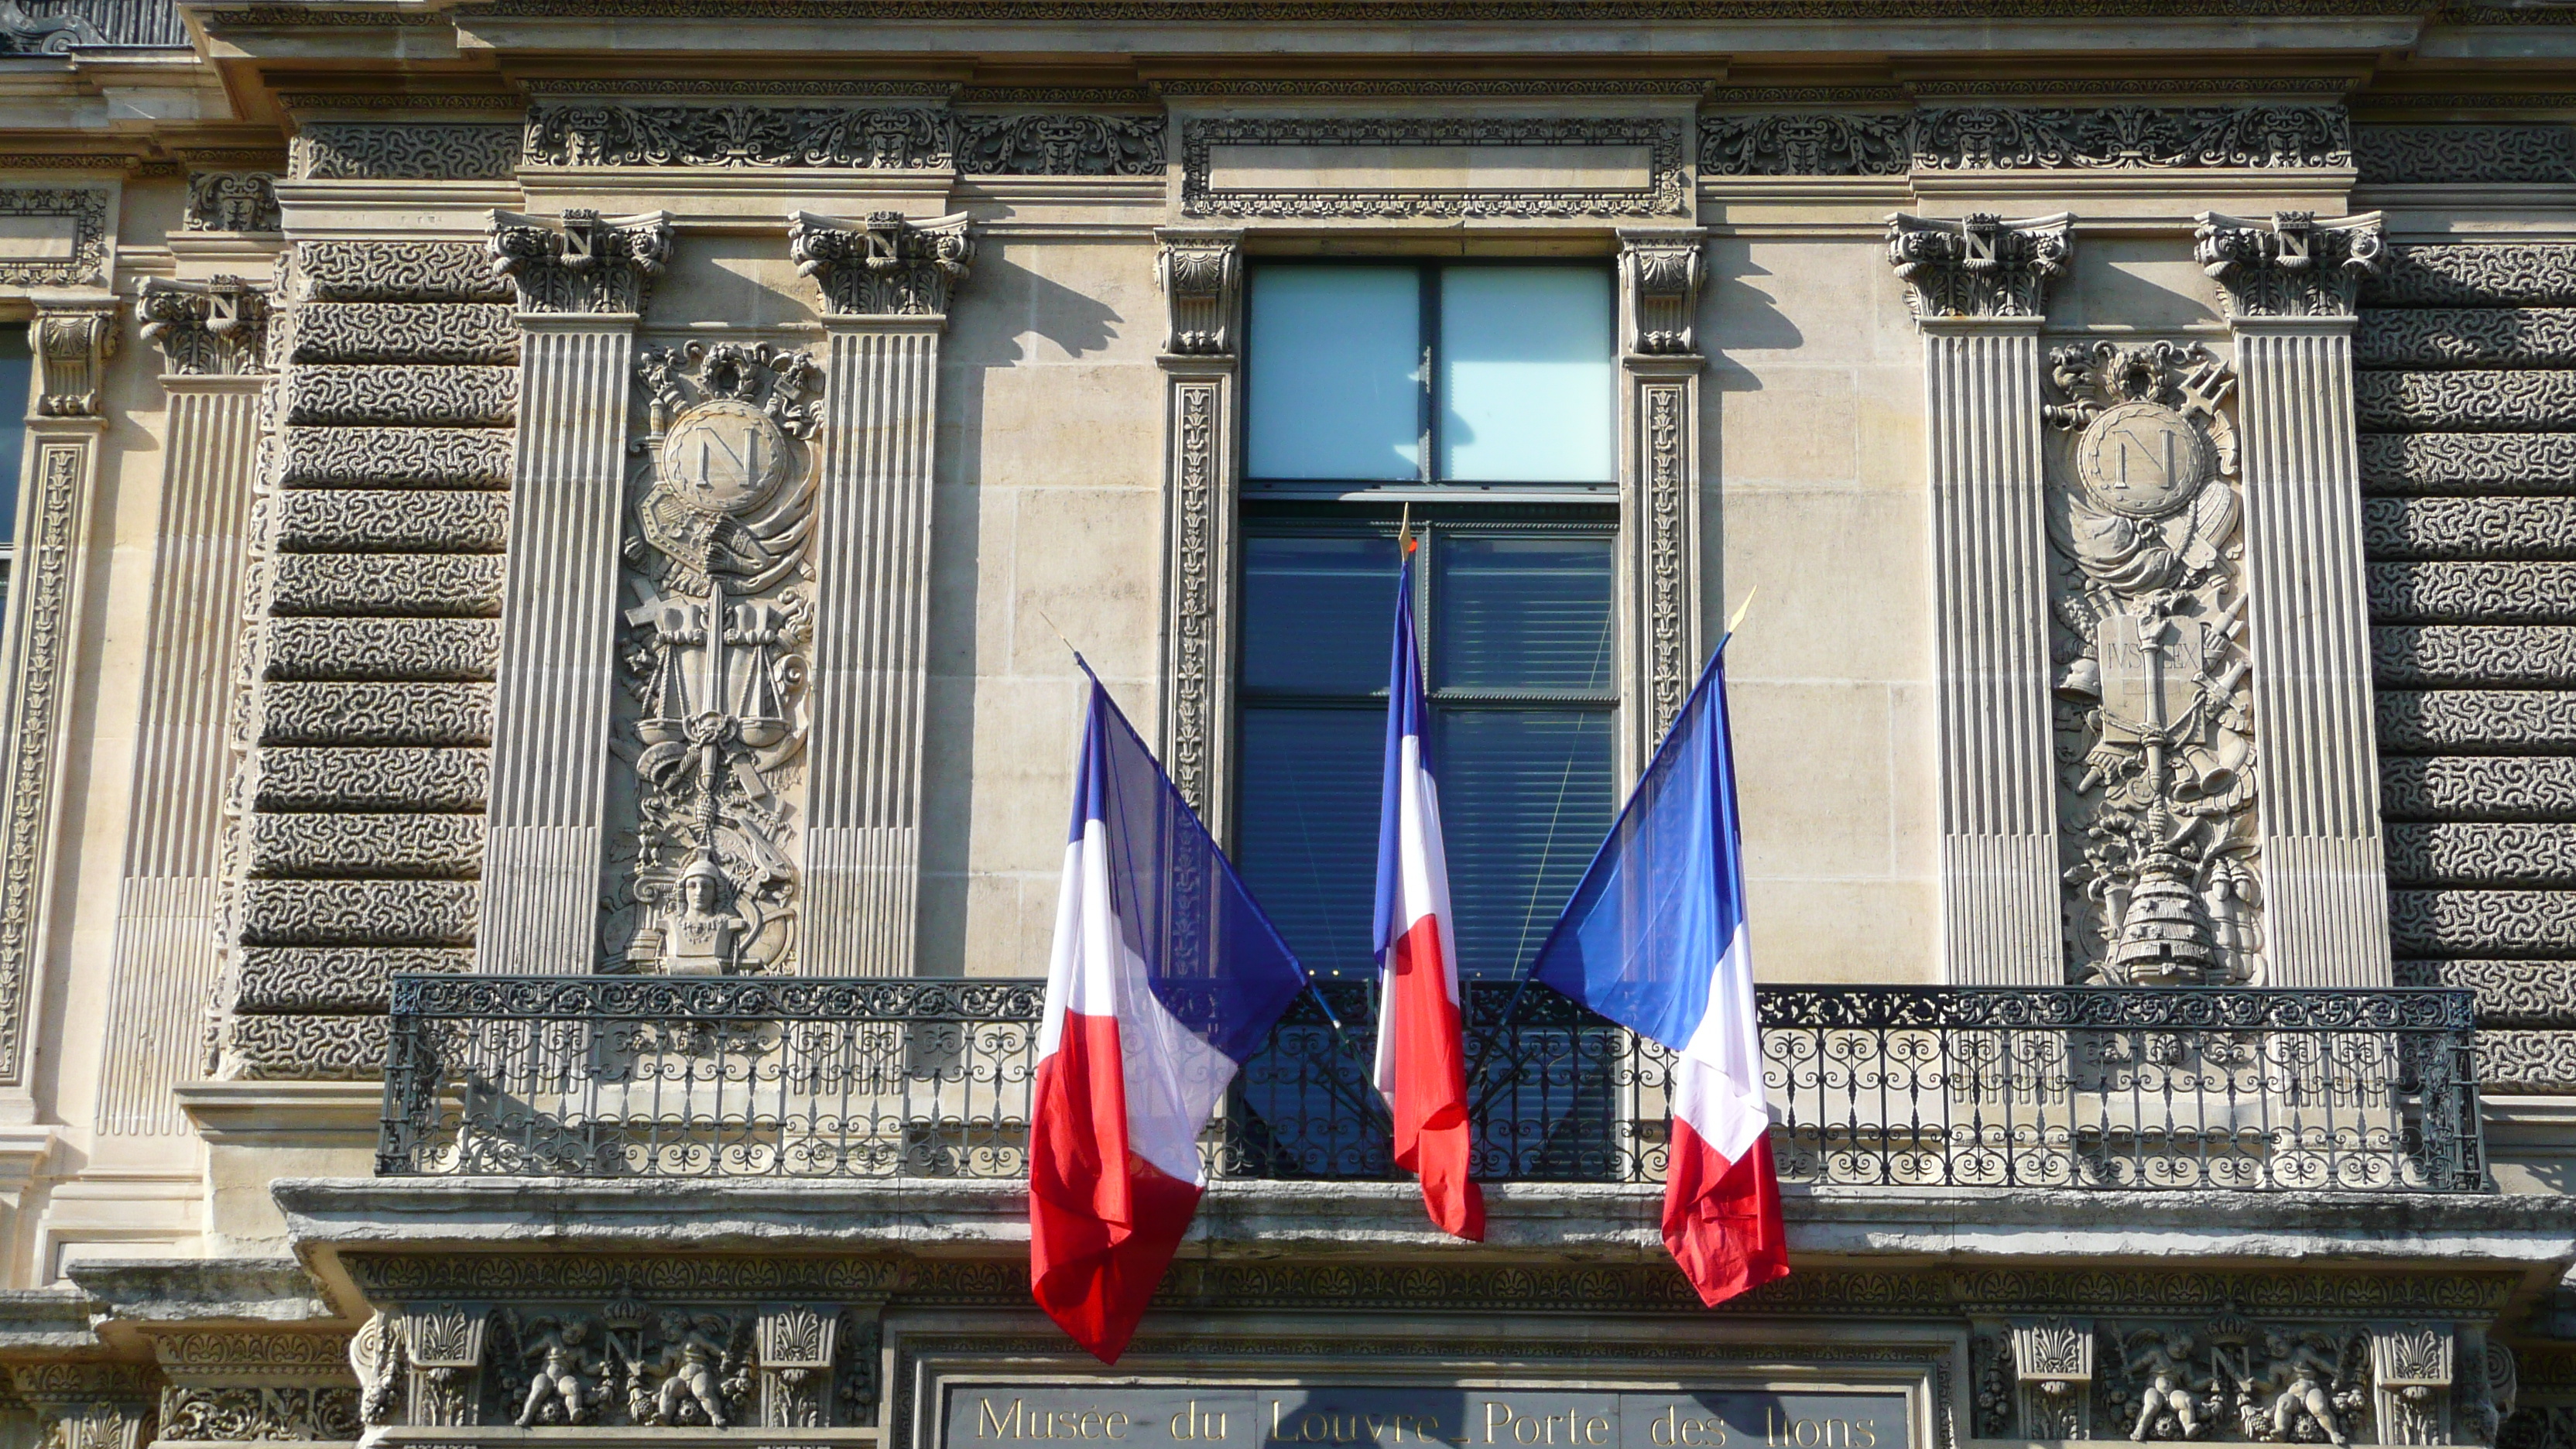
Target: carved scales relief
{"type": "Point", "coordinates": [703, 876]}
{"type": "Point", "coordinates": [2156, 828]}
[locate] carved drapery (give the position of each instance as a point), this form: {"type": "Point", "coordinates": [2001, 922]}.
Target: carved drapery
{"type": "Point", "coordinates": [580, 283]}
{"type": "Point", "coordinates": [2156, 760]}
{"type": "Point", "coordinates": [887, 283]}
{"type": "Point", "coordinates": [704, 869]}
{"type": "Point", "coordinates": [1978, 287]}
{"type": "Point", "coordinates": [2288, 288]}
{"type": "Point", "coordinates": [1660, 271]}
{"type": "Point", "coordinates": [1202, 279]}
{"type": "Point", "coordinates": [212, 336]}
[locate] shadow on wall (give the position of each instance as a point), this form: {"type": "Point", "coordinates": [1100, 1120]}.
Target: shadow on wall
{"type": "Point", "coordinates": [1734, 315]}
{"type": "Point", "coordinates": [1001, 304]}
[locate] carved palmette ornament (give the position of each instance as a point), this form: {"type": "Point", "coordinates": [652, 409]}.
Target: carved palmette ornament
{"type": "Point", "coordinates": [2411, 1371]}
{"type": "Point", "coordinates": [705, 880]}
{"type": "Point", "coordinates": [796, 1342]}
{"type": "Point", "coordinates": [2053, 1367]}
{"type": "Point", "coordinates": [2155, 748]}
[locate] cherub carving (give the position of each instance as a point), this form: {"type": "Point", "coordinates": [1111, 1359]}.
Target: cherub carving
{"type": "Point", "coordinates": [564, 1371]}
{"type": "Point", "coordinates": [2167, 1407]}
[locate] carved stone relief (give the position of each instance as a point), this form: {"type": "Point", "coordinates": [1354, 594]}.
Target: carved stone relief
{"type": "Point", "coordinates": [1202, 277]}
{"type": "Point", "coordinates": [1060, 144]}
{"type": "Point", "coordinates": [232, 201]}
{"type": "Point", "coordinates": [219, 326]}
{"type": "Point", "coordinates": [84, 210]}
{"type": "Point", "coordinates": [886, 266]}
{"type": "Point", "coordinates": [2024, 138]}
{"type": "Point", "coordinates": [612, 133]}
{"type": "Point", "coordinates": [1979, 265]}
{"type": "Point", "coordinates": [2154, 740]}
{"type": "Point", "coordinates": [705, 879]}
{"type": "Point", "coordinates": [406, 150]}
{"type": "Point", "coordinates": [581, 261]}
{"type": "Point", "coordinates": [2296, 266]}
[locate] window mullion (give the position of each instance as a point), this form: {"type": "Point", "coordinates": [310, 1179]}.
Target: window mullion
{"type": "Point", "coordinates": [1427, 297]}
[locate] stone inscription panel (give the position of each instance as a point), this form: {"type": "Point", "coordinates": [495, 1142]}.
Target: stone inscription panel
{"type": "Point", "coordinates": [1383, 1416]}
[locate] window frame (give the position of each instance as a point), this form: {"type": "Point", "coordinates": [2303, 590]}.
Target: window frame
{"type": "Point", "coordinates": [1426, 485]}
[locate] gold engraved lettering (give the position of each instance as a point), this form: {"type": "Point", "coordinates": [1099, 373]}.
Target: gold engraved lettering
{"type": "Point", "coordinates": [1000, 1428]}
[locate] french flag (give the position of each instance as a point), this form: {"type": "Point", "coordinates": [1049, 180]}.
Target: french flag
{"type": "Point", "coordinates": [1654, 940]}
{"type": "Point", "coordinates": [1165, 977]}
{"type": "Point", "coordinates": [1421, 1041]}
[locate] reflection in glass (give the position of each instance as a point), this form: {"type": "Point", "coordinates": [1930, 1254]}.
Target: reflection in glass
{"type": "Point", "coordinates": [1335, 374]}
{"type": "Point", "coordinates": [1523, 613]}
{"type": "Point", "coordinates": [1525, 797]}
{"type": "Point", "coordinates": [1527, 391]}
{"type": "Point", "coordinates": [1309, 829]}
{"type": "Point", "coordinates": [1316, 613]}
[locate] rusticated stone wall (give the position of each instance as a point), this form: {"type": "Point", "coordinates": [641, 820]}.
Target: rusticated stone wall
{"type": "Point", "coordinates": [2467, 406]}
{"type": "Point", "coordinates": [374, 633]}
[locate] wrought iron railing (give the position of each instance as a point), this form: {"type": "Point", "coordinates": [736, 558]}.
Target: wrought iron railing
{"type": "Point", "coordinates": [2076, 1087]}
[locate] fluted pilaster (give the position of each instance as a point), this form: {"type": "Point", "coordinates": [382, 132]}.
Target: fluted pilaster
{"type": "Point", "coordinates": [543, 845]}
{"type": "Point", "coordinates": [1979, 286]}
{"type": "Point", "coordinates": [163, 967]}
{"type": "Point", "coordinates": [2288, 287]}
{"type": "Point", "coordinates": [887, 283]}
{"type": "Point", "coordinates": [872, 587]}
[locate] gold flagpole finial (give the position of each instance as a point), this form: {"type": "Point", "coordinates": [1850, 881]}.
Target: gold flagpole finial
{"type": "Point", "coordinates": [1737, 618]}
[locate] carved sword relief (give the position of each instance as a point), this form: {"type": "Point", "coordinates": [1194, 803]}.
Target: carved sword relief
{"type": "Point", "coordinates": [2155, 748]}
{"type": "Point", "coordinates": [704, 879]}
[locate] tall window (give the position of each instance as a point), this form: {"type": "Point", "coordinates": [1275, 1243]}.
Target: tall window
{"type": "Point", "coordinates": [1481, 398]}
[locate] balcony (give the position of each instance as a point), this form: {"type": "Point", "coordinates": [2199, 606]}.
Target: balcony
{"type": "Point", "coordinates": [2236, 1091]}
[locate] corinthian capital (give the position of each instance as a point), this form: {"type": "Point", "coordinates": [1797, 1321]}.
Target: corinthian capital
{"type": "Point", "coordinates": [580, 261]}
{"type": "Point", "coordinates": [209, 328]}
{"type": "Point", "coordinates": [1979, 265]}
{"type": "Point", "coordinates": [72, 342]}
{"type": "Point", "coordinates": [2291, 266]}
{"type": "Point", "coordinates": [886, 266]}
{"type": "Point", "coordinates": [1202, 277]}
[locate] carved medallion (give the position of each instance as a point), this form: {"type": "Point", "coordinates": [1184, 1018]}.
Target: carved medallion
{"type": "Point", "coordinates": [2143, 459]}
{"type": "Point", "coordinates": [725, 457]}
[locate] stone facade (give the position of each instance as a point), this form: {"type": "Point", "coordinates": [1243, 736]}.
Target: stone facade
{"type": "Point", "coordinates": [536, 681]}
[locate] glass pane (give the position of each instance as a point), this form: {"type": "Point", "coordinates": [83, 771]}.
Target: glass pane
{"type": "Point", "coordinates": [1336, 374]}
{"type": "Point", "coordinates": [1527, 388]}
{"type": "Point", "coordinates": [1309, 829]}
{"type": "Point", "coordinates": [1525, 798]}
{"type": "Point", "coordinates": [16, 368]}
{"type": "Point", "coordinates": [1317, 613]}
{"type": "Point", "coordinates": [1522, 613]}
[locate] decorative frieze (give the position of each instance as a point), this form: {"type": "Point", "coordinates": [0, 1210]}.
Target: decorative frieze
{"type": "Point", "coordinates": [1809, 143]}
{"type": "Point", "coordinates": [2156, 797]}
{"type": "Point", "coordinates": [1979, 265]}
{"type": "Point", "coordinates": [418, 585]}
{"type": "Point", "coordinates": [2431, 721]}
{"type": "Point", "coordinates": [2130, 137]}
{"type": "Point", "coordinates": [379, 648]}
{"type": "Point", "coordinates": [2477, 274]}
{"type": "Point", "coordinates": [238, 201]}
{"type": "Point", "coordinates": [704, 876]}
{"type": "Point", "coordinates": [1663, 188]}
{"type": "Point", "coordinates": [404, 332]}
{"type": "Point", "coordinates": [1060, 144]}
{"type": "Point", "coordinates": [886, 266]}
{"type": "Point", "coordinates": [88, 1405]}
{"type": "Point", "coordinates": [619, 133]}
{"type": "Point", "coordinates": [2293, 266]}
{"type": "Point", "coordinates": [395, 458]}
{"type": "Point", "coordinates": [2478, 787]}
{"type": "Point", "coordinates": [362, 778]}
{"type": "Point", "coordinates": [2466, 462]}
{"type": "Point", "coordinates": [249, 1415]}
{"type": "Point", "coordinates": [2457, 592]}
{"type": "Point", "coordinates": [403, 151]}
{"type": "Point", "coordinates": [214, 327]}
{"type": "Point", "coordinates": [84, 211]}
{"type": "Point", "coordinates": [332, 978]}
{"type": "Point", "coordinates": [581, 261]}
{"type": "Point", "coordinates": [2464, 155]}
{"type": "Point", "coordinates": [2501, 854]}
